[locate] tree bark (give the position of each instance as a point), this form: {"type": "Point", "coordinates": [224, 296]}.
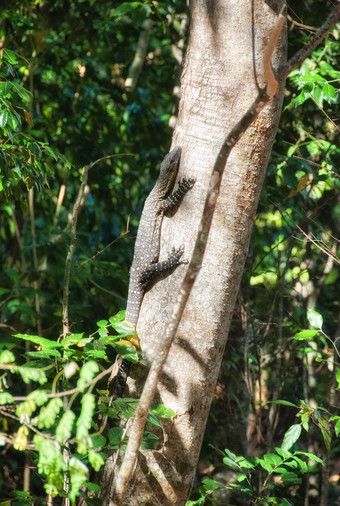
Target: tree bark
{"type": "Point", "coordinates": [222, 74]}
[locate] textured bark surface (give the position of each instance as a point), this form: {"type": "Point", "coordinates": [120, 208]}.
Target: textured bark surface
{"type": "Point", "coordinates": [222, 72]}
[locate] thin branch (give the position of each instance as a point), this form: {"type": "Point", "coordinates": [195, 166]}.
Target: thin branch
{"type": "Point", "coordinates": [138, 61]}
{"type": "Point", "coordinates": [105, 247]}
{"type": "Point", "coordinates": [67, 392]}
{"type": "Point", "coordinates": [75, 213]}
{"type": "Point", "coordinates": [164, 344]}
{"type": "Point", "coordinates": [301, 25]}
{"type": "Point", "coordinates": [80, 201]}
{"type": "Point", "coordinates": [306, 50]}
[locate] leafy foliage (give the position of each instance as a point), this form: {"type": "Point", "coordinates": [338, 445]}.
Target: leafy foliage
{"type": "Point", "coordinates": [62, 424]}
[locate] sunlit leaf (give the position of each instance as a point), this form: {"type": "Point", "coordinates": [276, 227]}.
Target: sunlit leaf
{"type": "Point", "coordinates": [315, 319]}
{"type": "Point", "coordinates": [291, 436]}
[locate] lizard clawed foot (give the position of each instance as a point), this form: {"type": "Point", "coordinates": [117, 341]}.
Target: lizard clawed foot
{"type": "Point", "coordinates": [175, 255]}
{"type": "Point", "coordinates": [186, 183]}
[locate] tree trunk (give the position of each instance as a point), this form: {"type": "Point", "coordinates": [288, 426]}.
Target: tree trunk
{"type": "Point", "coordinates": [223, 69]}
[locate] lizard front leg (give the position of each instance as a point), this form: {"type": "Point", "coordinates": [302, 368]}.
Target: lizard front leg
{"type": "Point", "coordinates": [173, 200]}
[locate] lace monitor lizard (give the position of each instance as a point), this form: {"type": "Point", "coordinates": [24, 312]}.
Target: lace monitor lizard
{"type": "Point", "coordinates": [146, 265]}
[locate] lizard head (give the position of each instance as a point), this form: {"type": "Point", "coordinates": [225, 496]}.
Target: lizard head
{"type": "Point", "coordinates": [169, 169]}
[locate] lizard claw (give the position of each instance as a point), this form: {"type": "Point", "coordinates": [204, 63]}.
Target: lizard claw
{"type": "Point", "coordinates": [187, 183]}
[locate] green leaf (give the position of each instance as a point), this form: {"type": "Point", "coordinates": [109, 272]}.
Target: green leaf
{"type": "Point", "coordinates": [125, 8]}
{"type": "Point", "coordinates": [126, 406]}
{"type": "Point", "coordinates": [291, 436]}
{"type": "Point", "coordinates": [46, 353]}
{"type": "Point", "coordinates": [230, 454]}
{"type": "Point", "coordinates": [311, 456]}
{"type": "Point", "coordinates": [241, 477]}
{"type": "Point", "coordinates": [229, 462]}
{"type": "Point", "coordinates": [96, 460]}
{"type": "Point", "coordinates": [247, 462]}
{"type": "Point", "coordinates": [126, 350]}
{"type": "Point", "coordinates": [284, 453]}
{"type": "Point", "coordinates": [115, 437]}
{"type": "Point", "coordinates": [298, 100]}
{"type": "Point", "coordinates": [210, 484]}
{"type": "Point", "coordinates": [40, 341]}
{"type": "Point", "coordinates": [102, 323]}
{"type": "Point", "coordinates": [30, 374]}
{"type": "Point", "coordinates": [48, 414]}
{"type": "Point", "coordinates": [22, 92]}
{"type": "Point", "coordinates": [315, 319]}
{"type": "Point", "coordinates": [266, 465]}
{"type": "Point", "coordinates": [124, 328]}
{"type": "Point", "coordinates": [162, 411]}
{"type": "Point", "coordinates": [7, 357]}
{"type": "Point", "coordinates": [78, 473]}
{"type": "Point", "coordinates": [305, 421]}
{"type": "Point", "coordinates": [64, 428]}
{"type": "Point", "coordinates": [13, 121]}
{"type": "Point", "coordinates": [6, 398]}
{"type": "Point", "coordinates": [87, 373]}
{"type": "Point", "coordinates": [311, 78]}
{"type": "Point", "coordinates": [85, 420]}
{"type": "Point", "coordinates": [93, 487]}
{"type": "Point", "coordinates": [5, 89]}
{"type": "Point", "coordinates": [290, 478]}
{"type": "Point", "coordinates": [329, 93]}
{"type": "Point", "coordinates": [318, 95]}
{"type": "Point", "coordinates": [302, 464]}
{"type": "Point", "coordinates": [35, 149]}
{"type": "Point", "coordinates": [39, 397]}
{"type": "Point", "coordinates": [3, 118]}
{"type": "Point", "coordinates": [117, 318]}
{"type": "Point", "coordinates": [98, 441]}
{"type": "Point", "coordinates": [284, 403]}
{"type": "Point", "coordinates": [337, 376]}
{"type": "Point", "coordinates": [273, 459]}
{"type": "Point", "coordinates": [154, 420]}
{"type": "Point", "coordinates": [325, 431]}
{"type": "Point", "coordinates": [336, 428]}
{"type": "Point", "coordinates": [10, 56]}
{"type": "Point", "coordinates": [50, 152]}
{"type": "Point", "coordinates": [72, 339]}
{"type": "Point", "coordinates": [305, 334]}
{"type": "Point", "coordinates": [149, 440]}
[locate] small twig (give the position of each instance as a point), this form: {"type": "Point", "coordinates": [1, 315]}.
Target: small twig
{"type": "Point", "coordinates": [105, 247]}
{"type": "Point", "coordinates": [324, 112]}
{"type": "Point", "coordinates": [301, 25]}
{"type": "Point", "coordinates": [73, 390]}
{"type": "Point", "coordinates": [139, 58]}
{"type": "Point", "coordinates": [35, 257]}
{"type": "Point", "coordinates": [80, 201]}
{"type": "Point", "coordinates": [75, 213]}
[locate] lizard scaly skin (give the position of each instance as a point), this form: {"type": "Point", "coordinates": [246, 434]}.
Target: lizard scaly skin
{"type": "Point", "coordinates": [146, 265]}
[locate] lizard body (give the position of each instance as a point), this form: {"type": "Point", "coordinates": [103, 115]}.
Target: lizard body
{"type": "Point", "coordinates": [146, 265]}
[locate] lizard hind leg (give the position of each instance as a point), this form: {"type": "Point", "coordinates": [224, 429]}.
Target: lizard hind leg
{"type": "Point", "coordinates": [165, 266]}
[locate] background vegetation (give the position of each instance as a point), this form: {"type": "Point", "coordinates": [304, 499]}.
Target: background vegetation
{"type": "Point", "coordinates": [63, 105]}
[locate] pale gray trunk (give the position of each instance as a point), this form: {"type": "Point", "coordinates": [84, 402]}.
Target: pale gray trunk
{"type": "Point", "coordinates": [222, 71]}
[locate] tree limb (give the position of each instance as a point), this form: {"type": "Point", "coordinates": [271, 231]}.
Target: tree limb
{"type": "Point", "coordinates": [306, 50]}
